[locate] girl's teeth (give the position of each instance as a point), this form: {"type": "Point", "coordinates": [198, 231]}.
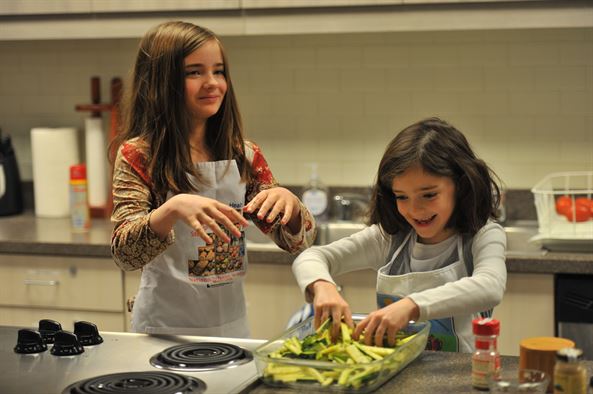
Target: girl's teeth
{"type": "Point", "coordinates": [424, 221]}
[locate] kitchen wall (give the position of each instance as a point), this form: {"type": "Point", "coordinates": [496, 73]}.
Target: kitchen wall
{"type": "Point", "coordinates": [524, 98]}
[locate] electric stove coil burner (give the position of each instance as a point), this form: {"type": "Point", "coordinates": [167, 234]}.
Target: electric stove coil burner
{"type": "Point", "coordinates": [201, 356]}
{"type": "Point", "coordinates": [151, 382]}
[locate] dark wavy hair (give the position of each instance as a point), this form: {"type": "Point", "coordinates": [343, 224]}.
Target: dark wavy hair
{"type": "Point", "coordinates": [154, 109]}
{"type": "Point", "coordinates": [441, 150]}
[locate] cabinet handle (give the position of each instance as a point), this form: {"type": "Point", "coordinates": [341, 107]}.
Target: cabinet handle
{"type": "Point", "coordinates": [35, 282]}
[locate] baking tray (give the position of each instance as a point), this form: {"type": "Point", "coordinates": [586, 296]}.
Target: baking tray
{"type": "Point", "coordinates": [380, 370]}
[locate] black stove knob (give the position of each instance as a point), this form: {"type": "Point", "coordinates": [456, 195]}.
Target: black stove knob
{"type": "Point", "coordinates": [87, 333]}
{"type": "Point", "coordinates": [48, 329]}
{"type": "Point", "coordinates": [29, 341]}
{"type": "Point", "coordinates": [66, 344]}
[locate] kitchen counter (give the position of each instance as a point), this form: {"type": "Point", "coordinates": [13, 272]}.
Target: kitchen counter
{"type": "Point", "coordinates": [432, 372]}
{"type": "Point", "coordinates": [27, 234]}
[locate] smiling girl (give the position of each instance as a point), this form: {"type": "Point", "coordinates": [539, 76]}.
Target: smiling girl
{"type": "Point", "coordinates": [437, 252]}
{"type": "Point", "coordinates": [183, 177]}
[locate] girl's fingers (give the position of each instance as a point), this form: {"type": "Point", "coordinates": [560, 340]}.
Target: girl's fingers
{"type": "Point", "coordinates": [274, 212]}
{"type": "Point", "coordinates": [324, 315]}
{"type": "Point", "coordinates": [369, 331]}
{"type": "Point", "coordinates": [211, 223]}
{"type": "Point", "coordinates": [226, 222]}
{"type": "Point", "coordinates": [255, 203]}
{"type": "Point", "coordinates": [360, 327]}
{"type": "Point", "coordinates": [391, 331]}
{"type": "Point", "coordinates": [288, 208]}
{"type": "Point", "coordinates": [195, 224]}
{"type": "Point", "coordinates": [348, 317]}
{"type": "Point", "coordinates": [264, 208]}
{"type": "Point", "coordinates": [234, 215]}
{"type": "Point", "coordinates": [252, 205]}
{"type": "Point", "coordinates": [336, 320]}
{"type": "Point", "coordinates": [379, 334]}
{"type": "Point", "coordinates": [316, 317]}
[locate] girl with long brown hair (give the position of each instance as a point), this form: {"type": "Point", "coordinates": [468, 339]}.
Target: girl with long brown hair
{"type": "Point", "coordinates": [183, 178]}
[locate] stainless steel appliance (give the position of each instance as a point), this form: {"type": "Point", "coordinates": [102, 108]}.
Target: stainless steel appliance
{"type": "Point", "coordinates": [168, 363]}
{"type": "Point", "coordinates": [574, 310]}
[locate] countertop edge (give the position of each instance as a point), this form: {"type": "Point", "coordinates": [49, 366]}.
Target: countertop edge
{"type": "Point", "coordinates": [548, 263]}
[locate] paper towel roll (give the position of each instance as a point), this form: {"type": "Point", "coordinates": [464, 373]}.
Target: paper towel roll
{"type": "Point", "coordinates": [53, 152]}
{"type": "Point", "coordinates": [96, 162]}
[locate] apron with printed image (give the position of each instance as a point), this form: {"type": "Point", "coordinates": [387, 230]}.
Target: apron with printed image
{"type": "Point", "coordinates": [452, 334]}
{"type": "Point", "coordinates": [193, 288]}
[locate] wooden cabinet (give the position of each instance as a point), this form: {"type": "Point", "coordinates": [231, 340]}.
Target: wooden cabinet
{"type": "Point", "coordinates": [91, 19]}
{"type": "Point", "coordinates": [527, 310]}
{"type": "Point", "coordinates": [61, 288]}
{"type": "Point", "coordinates": [273, 296]}
{"type": "Point", "coordinates": [68, 289]}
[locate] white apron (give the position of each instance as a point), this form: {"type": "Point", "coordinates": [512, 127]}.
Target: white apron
{"type": "Point", "coordinates": [448, 334]}
{"type": "Point", "coordinates": [193, 288]}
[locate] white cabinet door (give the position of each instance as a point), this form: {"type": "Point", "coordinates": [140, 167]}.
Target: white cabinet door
{"type": "Point", "coordinates": [527, 310]}
{"type": "Point", "coordinates": [61, 282]}
{"type": "Point", "coordinates": [61, 288]}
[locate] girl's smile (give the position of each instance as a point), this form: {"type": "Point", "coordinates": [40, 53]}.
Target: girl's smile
{"type": "Point", "coordinates": [209, 99]}
{"type": "Point", "coordinates": [425, 222]}
{"type": "Point", "coordinates": [427, 202]}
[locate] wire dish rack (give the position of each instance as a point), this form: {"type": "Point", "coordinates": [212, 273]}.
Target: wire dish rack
{"type": "Point", "coordinates": [564, 229]}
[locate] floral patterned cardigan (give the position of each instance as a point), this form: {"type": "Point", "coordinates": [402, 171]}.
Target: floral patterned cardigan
{"type": "Point", "coordinates": [134, 244]}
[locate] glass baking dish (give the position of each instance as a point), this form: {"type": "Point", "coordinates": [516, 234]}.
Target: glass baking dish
{"type": "Point", "coordinates": [374, 373]}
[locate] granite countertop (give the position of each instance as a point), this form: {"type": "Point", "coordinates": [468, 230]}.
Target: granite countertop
{"type": "Point", "coordinates": [431, 372]}
{"type": "Point", "coordinates": [28, 234]}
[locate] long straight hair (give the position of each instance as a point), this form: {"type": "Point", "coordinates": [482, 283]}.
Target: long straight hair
{"type": "Point", "coordinates": [441, 150]}
{"type": "Point", "coordinates": [154, 109]}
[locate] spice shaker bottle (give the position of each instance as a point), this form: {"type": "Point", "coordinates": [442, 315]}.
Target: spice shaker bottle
{"type": "Point", "coordinates": [486, 359]}
{"type": "Point", "coordinates": [79, 206]}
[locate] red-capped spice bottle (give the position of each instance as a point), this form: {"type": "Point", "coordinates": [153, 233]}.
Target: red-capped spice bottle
{"type": "Point", "coordinates": [79, 206]}
{"type": "Point", "coordinates": [485, 359]}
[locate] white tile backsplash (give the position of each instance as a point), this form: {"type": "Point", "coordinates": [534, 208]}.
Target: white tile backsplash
{"type": "Point", "coordinates": [524, 98]}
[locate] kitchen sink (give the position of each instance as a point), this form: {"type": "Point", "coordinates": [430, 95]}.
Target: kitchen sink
{"type": "Point", "coordinates": [333, 231]}
{"type": "Point", "coordinates": [518, 236]}
{"type": "Point", "coordinates": [258, 241]}
{"type": "Point", "coordinates": [326, 233]}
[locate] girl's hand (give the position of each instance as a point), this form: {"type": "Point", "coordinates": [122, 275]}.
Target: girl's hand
{"type": "Point", "coordinates": [327, 302]}
{"type": "Point", "coordinates": [199, 212]}
{"type": "Point", "coordinates": [388, 320]}
{"type": "Point", "coordinates": [270, 203]}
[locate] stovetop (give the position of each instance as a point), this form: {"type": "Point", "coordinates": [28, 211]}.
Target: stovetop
{"type": "Point", "coordinates": [44, 373]}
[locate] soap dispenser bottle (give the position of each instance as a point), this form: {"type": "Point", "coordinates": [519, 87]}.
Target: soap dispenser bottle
{"type": "Point", "coordinates": [315, 196]}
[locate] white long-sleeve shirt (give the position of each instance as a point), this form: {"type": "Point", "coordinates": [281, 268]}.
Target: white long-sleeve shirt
{"type": "Point", "coordinates": [370, 249]}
